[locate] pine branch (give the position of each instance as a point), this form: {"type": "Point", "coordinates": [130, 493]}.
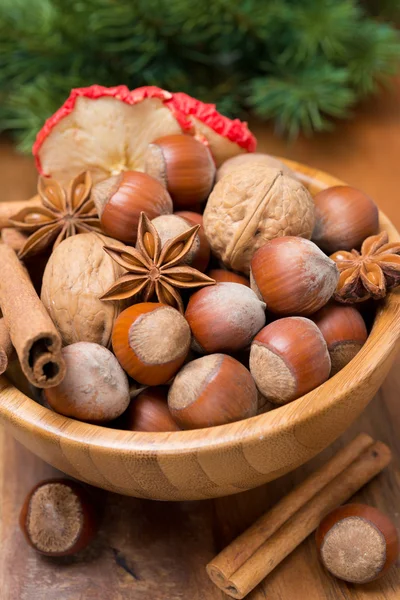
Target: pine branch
{"type": "Point", "coordinates": [298, 62]}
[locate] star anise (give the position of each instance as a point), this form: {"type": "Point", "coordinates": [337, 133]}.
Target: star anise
{"type": "Point", "coordinates": [369, 273]}
{"type": "Point", "coordinates": [154, 270]}
{"type": "Point", "coordinates": [63, 213]}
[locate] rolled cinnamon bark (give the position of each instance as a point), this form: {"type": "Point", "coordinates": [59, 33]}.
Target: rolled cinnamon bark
{"type": "Point", "coordinates": [9, 209]}
{"type": "Point", "coordinates": [6, 347]}
{"type": "Point", "coordinates": [297, 527]}
{"type": "Point", "coordinates": [14, 238]}
{"type": "Point", "coordinates": [32, 332]}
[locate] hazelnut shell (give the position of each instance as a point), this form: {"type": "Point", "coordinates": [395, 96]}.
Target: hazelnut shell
{"type": "Point", "coordinates": [288, 358]}
{"type": "Point", "coordinates": [120, 199]}
{"type": "Point", "coordinates": [344, 331]}
{"type": "Point", "coordinates": [151, 341]}
{"type": "Point", "coordinates": [357, 543]}
{"type": "Point", "coordinates": [293, 276]}
{"type": "Point", "coordinates": [149, 411]}
{"type": "Point", "coordinates": [344, 217]}
{"type": "Point", "coordinates": [224, 317]}
{"type": "Point", "coordinates": [184, 165]}
{"type": "Point", "coordinates": [94, 389]}
{"type": "Point", "coordinates": [212, 390]}
{"type": "Point", "coordinates": [57, 504]}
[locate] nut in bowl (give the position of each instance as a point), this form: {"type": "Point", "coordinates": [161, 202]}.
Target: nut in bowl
{"type": "Point", "coordinates": [210, 461]}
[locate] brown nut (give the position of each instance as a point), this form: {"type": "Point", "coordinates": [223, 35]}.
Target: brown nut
{"type": "Point", "coordinates": [151, 341]}
{"type": "Point", "coordinates": [357, 543]}
{"type": "Point", "coordinates": [293, 276]}
{"type": "Point", "coordinates": [149, 411]}
{"type": "Point", "coordinates": [344, 217]}
{"type": "Point", "coordinates": [58, 517]}
{"type": "Point", "coordinates": [170, 226]}
{"type": "Point", "coordinates": [344, 331]}
{"type": "Point", "coordinates": [224, 317]}
{"type": "Point", "coordinates": [194, 218]}
{"type": "Point", "coordinates": [212, 390]}
{"type": "Point", "coordinates": [251, 206]}
{"type": "Point", "coordinates": [289, 358]}
{"type": "Point", "coordinates": [184, 165]}
{"type": "Point", "coordinates": [77, 274]}
{"type": "Point", "coordinates": [253, 158]}
{"type": "Point", "coordinates": [95, 388]}
{"type": "Point", "coordinates": [120, 199]}
{"type": "Point", "coordinates": [225, 276]}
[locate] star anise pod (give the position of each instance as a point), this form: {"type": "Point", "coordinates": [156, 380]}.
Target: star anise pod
{"type": "Point", "coordinates": [63, 213]}
{"type": "Point", "coordinates": [154, 270]}
{"type": "Point", "coordinates": [369, 273]}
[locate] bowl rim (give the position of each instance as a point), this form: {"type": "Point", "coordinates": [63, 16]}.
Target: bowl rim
{"type": "Point", "coordinates": [18, 409]}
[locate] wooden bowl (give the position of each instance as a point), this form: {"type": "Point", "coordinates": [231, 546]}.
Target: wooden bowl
{"type": "Point", "coordinates": [223, 460]}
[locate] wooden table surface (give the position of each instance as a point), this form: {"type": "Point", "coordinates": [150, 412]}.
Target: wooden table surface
{"type": "Point", "coordinates": [157, 551]}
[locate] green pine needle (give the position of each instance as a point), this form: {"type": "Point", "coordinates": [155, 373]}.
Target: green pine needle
{"type": "Point", "coordinates": [300, 63]}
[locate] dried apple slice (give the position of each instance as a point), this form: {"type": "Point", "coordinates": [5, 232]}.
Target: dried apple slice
{"type": "Point", "coordinates": [226, 137]}
{"type": "Point", "coordinates": [105, 130]}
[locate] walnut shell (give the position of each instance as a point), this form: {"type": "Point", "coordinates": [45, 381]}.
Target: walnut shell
{"type": "Point", "coordinates": [251, 206]}
{"type": "Point", "coordinates": [77, 274]}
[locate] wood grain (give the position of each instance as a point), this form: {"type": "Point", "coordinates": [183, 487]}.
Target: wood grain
{"type": "Point", "coordinates": [167, 545]}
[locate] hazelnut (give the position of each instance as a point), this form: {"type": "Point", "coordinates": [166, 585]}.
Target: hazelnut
{"type": "Point", "coordinates": [293, 276]}
{"type": "Point", "coordinates": [212, 390]}
{"type": "Point", "coordinates": [120, 199]}
{"type": "Point", "coordinates": [151, 341]}
{"type": "Point", "coordinates": [224, 317]}
{"type": "Point", "coordinates": [58, 518]}
{"type": "Point", "coordinates": [250, 206]}
{"type": "Point", "coordinates": [194, 218]}
{"type": "Point", "coordinates": [94, 389]}
{"type": "Point", "coordinates": [170, 226]}
{"type": "Point", "coordinates": [225, 276]}
{"type": "Point", "coordinates": [184, 165]}
{"type": "Point", "coordinates": [77, 274]}
{"type": "Point", "coordinates": [344, 331]}
{"type": "Point", "coordinates": [289, 358]}
{"type": "Point", "coordinates": [344, 217]}
{"type": "Point", "coordinates": [357, 543]}
{"type": "Point", "coordinates": [253, 158]}
{"type": "Point", "coordinates": [149, 411]}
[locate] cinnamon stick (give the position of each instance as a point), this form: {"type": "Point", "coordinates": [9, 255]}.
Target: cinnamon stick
{"type": "Point", "coordinates": [14, 238]}
{"type": "Point", "coordinates": [32, 332]}
{"type": "Point", "coordinates": [6, 347]}
{"type": "Point", "coordinates": [9, 209]}
{"type": "Point", "coordinates": [284, 539]}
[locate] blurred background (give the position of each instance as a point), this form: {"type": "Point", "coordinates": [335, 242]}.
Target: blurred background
{"type": "Point", "coordinates": [301, 64]}
{"type": "Point", "coordinates": [316, 79]}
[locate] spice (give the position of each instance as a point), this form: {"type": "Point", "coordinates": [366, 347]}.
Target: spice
{"type": "Point", "coordinates": [369, 273]}
{"type": "Point", "coordinates": [33, 335]}
{"type": "Point", "coordinates": [63, 213]}
{"type": "Point", "coordinates": [155, 270]}
{"type": "Point", "coordinates": [253, 555]}
{"type": "Point", "coordinates": [6, 347]}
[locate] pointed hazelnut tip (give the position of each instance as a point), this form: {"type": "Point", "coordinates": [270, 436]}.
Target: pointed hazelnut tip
{"type": "Point", "coordinates": [103, 191]}
{"type": "Point", "coordinates": [154, 163]}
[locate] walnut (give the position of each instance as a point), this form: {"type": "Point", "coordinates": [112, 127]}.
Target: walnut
{"type": "Point", "coordinates": [252, 205]}
{"type": "Point", "coordinates": [77, 274]}
{"type": "Point", "coordinates": [253, 158]}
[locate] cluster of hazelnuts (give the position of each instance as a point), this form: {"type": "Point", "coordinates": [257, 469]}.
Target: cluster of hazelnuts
{"type": "Point", "coordinates": [262, 337]}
